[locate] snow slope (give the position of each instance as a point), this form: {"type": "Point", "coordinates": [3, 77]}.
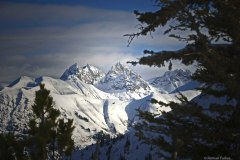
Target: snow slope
{"type": "Point", "coordinates": [108, 105]}
{"type": "Point", "coordinates": [91, 109]}
{"type": "Point", "coordinates": [82, 105]}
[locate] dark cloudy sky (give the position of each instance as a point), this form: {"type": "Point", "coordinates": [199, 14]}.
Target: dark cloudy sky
{"type": "Point", "coordinates": [44, 37]}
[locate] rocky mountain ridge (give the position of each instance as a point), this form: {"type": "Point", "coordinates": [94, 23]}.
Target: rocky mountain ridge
{"type": "Point", "coordinates": [93, 110]}
{"type": "Point", "coordinates": [119, 81]}
{"type": "Point", "coordinates": [171, 80]}
{"type": "Point", "coordinates": [88, 74]}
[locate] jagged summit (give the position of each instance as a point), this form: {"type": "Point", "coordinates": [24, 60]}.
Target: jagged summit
{"type": "Point", "coordinates": [118, 70]}
{"type": "Point", "coordinates": [171, 80]}
{"type": "Point", "coordinates": [119, 67]}
{"type": "Point", "coordinates": [178, 73]}
{"type": "Point", "coordinates": [91, 74]}
{"type": "Point", "coordinates": [90, 68]}
{"type": "Point", "coordinates": [121, 79]}
{"type": "Point", "coordinates": [72, 70]}
{"type": "Point", "coordinates": [88, 74]}
{"type": "Point", "coordinates": [122, 82]}
{"type": "Point", "coordinates": [111, 110]}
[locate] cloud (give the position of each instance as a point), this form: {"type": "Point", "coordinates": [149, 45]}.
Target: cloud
{"type": "Point", "coordinates": [40, 40]}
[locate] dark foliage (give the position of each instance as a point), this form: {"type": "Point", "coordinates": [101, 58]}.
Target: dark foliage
{"type": "Point", "coordinates": [65, 142]}
{"type": "Point", "coordinates": [49, 135]}
{"type": "Point", "coordinates": [192, 130]}
{"type": "Point", "coordinates": [11, 148]}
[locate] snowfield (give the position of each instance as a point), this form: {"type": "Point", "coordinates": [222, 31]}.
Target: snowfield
{"type": "Point", "coordinates": [108, 103]}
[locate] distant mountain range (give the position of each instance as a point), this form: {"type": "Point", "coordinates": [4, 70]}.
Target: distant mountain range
{"type": "Point", "coordinates": [97, 101]}
{"type": "Point", "coordinates": [171, 80]}
{"type": "Point", "coordinates": [120, 79]}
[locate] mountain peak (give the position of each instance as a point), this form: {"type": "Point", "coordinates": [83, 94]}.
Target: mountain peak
{"type": "Point", "coordinates": [72, 70]}
{"type": "Point", "coordinates": [90, 68]}
{"type": "Point", "coordinates": [177, 73]}
{"type": "Point", "coordinates": [119, 67]}
{"type": "Point", "coordinates": [75, 66]}
{"type": "Point", "coordinates": [87, 74]}
{"type": "Point", "coordinates": [171, 80]}
{"type": "Point", "coordinates": [121, 79]}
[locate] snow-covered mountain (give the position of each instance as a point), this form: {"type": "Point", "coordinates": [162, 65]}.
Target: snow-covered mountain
{"type": "Point", "coordinates": [88, 74]}
{"type": "Point", "coordinates": [108, 103]}
{"type": "Point", "coordinates": [124, 83]}
{"type": "Point", "coordinates": [171, 80]}
{"type": "Point", "coordinates": [88, 111]}
{"type": "Point", "coordinates": [123, 79]}
{"type": "Point", "coordinates": [120, 81]}
{"type": "Point", "coordinates": [91, 113]}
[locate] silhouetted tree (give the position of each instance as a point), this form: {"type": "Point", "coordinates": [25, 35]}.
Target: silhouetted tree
{"type": "Point", "coordinates": [195, 130]}
{"type": "Point", "coordinates": [121, 157]}
{"type": "Point", "coordinates": [47, 131]}
{"type": "Point", "coordinates": [127, 145]}
{"type": "Point", "coordinates": [108, 152]}
{"type": "Point", "coordinates": [64, 137]}
{"type": "Point", "coordinates": [11, 148]}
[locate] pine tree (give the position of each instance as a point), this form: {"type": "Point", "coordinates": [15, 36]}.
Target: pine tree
{"type": "Point", "coordinates": [127, 146]}
{"type": "Point", "coordinates": [148, 156]}
{"type": "Point", "coordinates": [47, 132]}
{"type": "Point", "coordinates": [64, 137]}
{"type": "Point", "coordinates": [98, 138]}
{"type": "Point", "coordinates": [11, 148]}
{"type": "Point", "coordinates": [194, 130]}
{"type": "Point", "coordinates": [108, 152]}
{"type": "Point", "coordinates": [122, 157]}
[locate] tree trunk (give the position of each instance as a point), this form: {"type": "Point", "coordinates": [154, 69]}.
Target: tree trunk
{"type": "Point", "coordinates": [53, 149]}
{"type": "Point", "coordinates": [175, 155]}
